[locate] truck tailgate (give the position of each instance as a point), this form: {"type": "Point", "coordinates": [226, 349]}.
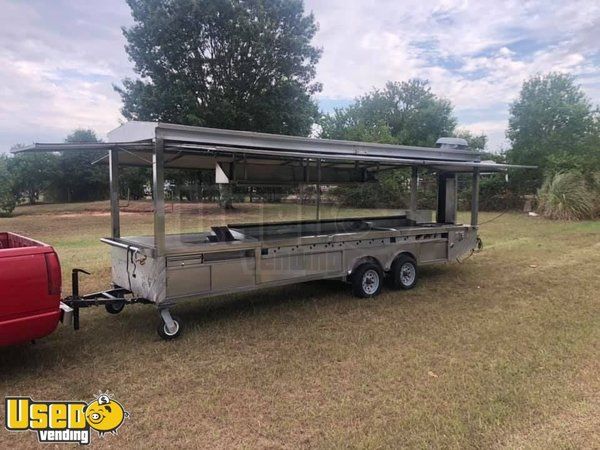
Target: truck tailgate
{"type": "Point", "coordinates": [30, 282]}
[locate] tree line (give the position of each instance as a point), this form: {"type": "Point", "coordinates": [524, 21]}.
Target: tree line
{"type": "Point", "coordinates": [250, 65]}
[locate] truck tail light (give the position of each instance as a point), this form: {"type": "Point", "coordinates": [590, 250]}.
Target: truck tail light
{"type": "Point", "coordinates": [54, 274]}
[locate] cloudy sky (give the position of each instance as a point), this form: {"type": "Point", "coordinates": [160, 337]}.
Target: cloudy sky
{"type": "Point", "coordinates": [59, 58]}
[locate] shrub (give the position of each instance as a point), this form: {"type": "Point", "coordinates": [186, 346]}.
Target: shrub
{"type": "Point", "coordinates": [566, 196]}
{"type": "Point", "coordinates": [593, 181]}
{"type": "Point", "coordinates": [494, 194]}
{"type": "Point", "coordinates": [390, 191]}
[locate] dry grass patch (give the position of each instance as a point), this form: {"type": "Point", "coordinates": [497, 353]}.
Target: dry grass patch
{"type": "Point", "coordinates": [501, 351]}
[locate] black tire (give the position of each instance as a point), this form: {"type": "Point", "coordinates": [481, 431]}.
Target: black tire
{"type": "Point", "coordinates": [367, 280]}
{"type": "Point", "coordinates": [164, 333]}
{"type": "Point", "coordinates": [114, 308]}
{"type": "Point", "coordinates": [404, 273]}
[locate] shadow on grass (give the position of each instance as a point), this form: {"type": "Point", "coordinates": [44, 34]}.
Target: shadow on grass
{"type": "Point", "coordinates": [321, 294]}
{"type": "Point", "coordinates": [288, 298]}
{"type": "Point", "coordinates": [102, 335]}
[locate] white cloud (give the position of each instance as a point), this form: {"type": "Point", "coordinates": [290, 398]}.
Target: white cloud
{"type": "Point", "coordinates": [477, 54]}
{"type": "Point", "coordinates": [59, 59]}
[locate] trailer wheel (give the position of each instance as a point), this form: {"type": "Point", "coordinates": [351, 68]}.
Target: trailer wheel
{"type": "Point", "coordinates": [164, 333]}
{"type": "Point", "coordinates": [367, 280]}
{"type": "Point", "coordinates": [114, 308]}
{"type": "Point", "coordinates": [404, 273]}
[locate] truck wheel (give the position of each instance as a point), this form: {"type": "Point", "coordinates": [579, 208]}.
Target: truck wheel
{"type": "Point", "coordinates": [404, 273]}
{"type": "Point", "coordinates": [114, 308]}
{"type": "Point", "coordinates": [366, 280]}
{"type": "Point", "coordinates": [164, 333]}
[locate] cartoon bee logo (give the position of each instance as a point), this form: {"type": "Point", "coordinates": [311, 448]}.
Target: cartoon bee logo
{"type": "Point", "coordinates": [105, 415]}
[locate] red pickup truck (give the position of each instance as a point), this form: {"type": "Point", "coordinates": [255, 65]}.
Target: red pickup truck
{"type": "Point", "coordinates": [30, 289]}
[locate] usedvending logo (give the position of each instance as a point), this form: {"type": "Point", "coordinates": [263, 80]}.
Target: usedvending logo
{"type": "Point", "coordinates": [66, 422]}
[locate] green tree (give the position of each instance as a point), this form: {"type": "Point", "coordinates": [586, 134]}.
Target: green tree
{"type": "Point", "coordinates": [477, 142]}
{"type": "Point", "coordinates": [133, 182]}
{"type": "Point", "coordinates": [77, 178]}
{"type": "Point", "coordinates": [32, 173]}
{"type": "Point", "coordinates": [406, 113]}
{"type": "Point", "coordinates": [8, 201]}
{"type": "Point", "coordinates": [552, 125]}
{"type": "Point", "coordinates": [246, 65]}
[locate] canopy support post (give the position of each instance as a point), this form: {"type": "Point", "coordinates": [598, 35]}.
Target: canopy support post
{"type": "Point", "coordinates": [115, 222]}
{"type": "Point", "coordinates": [475, 197]}
{"type": "Point", "coordinates": [446, 205]}
{"type": "Point", "coordinates": [158, 191]}
{"type": "Point", "coordinates": [414, 176]}
{"type": "Point", "coordinates": [318, 189]}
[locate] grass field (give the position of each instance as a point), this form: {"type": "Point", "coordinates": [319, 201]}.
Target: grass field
{"type": "Point", "coordinates": [502, 351]}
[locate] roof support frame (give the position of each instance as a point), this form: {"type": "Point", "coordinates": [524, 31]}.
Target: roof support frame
{"type": "Point", "coordinates": [475, 198]}
{"type": "Point", "coordinates": [414, 177]}
{"type": "Point", "coordinates": [158, 193]}
{"type": "Point", "coordinates": [115, 222]}
{"type": "Point", "coordinates": [261, 158]}
{"type": "Point", "coordinates": [318, 189]}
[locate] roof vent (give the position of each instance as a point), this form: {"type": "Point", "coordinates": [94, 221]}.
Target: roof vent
{"type": "Point", "coordinates": [452, 143]}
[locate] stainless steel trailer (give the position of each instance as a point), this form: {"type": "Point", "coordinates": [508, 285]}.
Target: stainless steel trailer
{"type": "Point", "coordinates": [165, 269]}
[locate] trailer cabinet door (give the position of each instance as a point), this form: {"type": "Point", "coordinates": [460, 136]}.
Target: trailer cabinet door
{"type": "Point", "coordinates": [210, 272]}
{"type": "Point", "coordinates": [187, 276]}
{"type": "Point", "coordinates": [233, 274]}
{"type": "Point", "coordinates": [277, 267]}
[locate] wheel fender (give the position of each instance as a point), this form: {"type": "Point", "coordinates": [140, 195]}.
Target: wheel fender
{"type": "Point", "coordinates": [396, 255]}
{"type": "Point", "coordinates": [361, 260]}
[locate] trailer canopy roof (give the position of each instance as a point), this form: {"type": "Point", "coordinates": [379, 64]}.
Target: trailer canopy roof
{"type": "Point", "coordinates": [248, 157]}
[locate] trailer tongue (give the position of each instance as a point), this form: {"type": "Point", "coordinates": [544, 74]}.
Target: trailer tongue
{"type": "Point", "coordinates": [165, 269]}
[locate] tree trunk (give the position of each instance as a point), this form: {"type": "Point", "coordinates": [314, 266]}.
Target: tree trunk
{"type": "Point", "coordinates": [225, 196]}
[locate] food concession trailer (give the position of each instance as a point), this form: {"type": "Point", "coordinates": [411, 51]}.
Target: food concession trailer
{"type": "Point", "coordinates": [164, 269]}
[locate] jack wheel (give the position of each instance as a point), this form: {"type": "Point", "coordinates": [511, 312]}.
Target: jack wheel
{"type": "Point", "coordinates": [164, 332]}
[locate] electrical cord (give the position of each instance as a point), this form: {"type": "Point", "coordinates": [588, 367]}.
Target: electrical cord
{"type": "Point", "coordinates": [473, 251]}
{"type": "Point", "coordinates": [460, 261]}
{"type": "Point", "coordinates": [494, 218]}
{"type": "Point", "coordinates": [127, 266]}
{"type": "Point", "coordinates": [135, 260]}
